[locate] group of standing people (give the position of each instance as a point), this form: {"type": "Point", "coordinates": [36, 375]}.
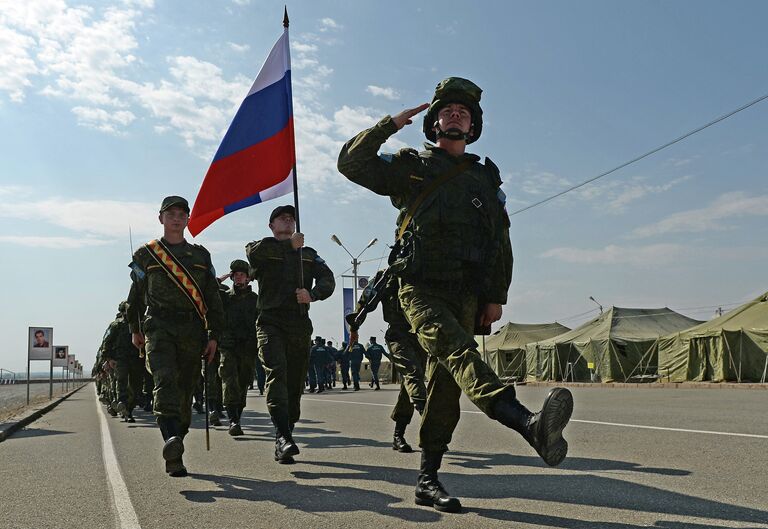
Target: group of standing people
{"type": "Point", "coordinates": [324, 357]}
{"type": "Point", "coordinates": [449, 275]}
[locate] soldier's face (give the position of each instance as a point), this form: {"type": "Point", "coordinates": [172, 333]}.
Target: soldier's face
{"type": "Point", "coordinates": [283, 224]}
{"type": "Point", "coordinates": [175, 218]}
{"type": "Point", "coordinates": [239, 278]}
{"type": "Point", "coordinates": [455, 116]}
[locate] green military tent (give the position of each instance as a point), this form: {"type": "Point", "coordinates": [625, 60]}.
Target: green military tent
{"type": "Point", "coordinates": [619, 344]}
{"type": "Point", "coordinates": [732, 347]}
{"type": "Point", "coordinates": [504, 350]}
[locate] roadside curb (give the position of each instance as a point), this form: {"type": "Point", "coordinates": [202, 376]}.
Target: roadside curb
{"type": "Point", "coordinates": [8, 429]}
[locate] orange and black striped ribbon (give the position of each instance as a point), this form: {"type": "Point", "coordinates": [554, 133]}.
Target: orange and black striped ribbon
{"type": "Point", "coordinates": [180, 276]}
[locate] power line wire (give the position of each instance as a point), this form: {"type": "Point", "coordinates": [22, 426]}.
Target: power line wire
{"type": "Point", "coordinates": [652, 151]}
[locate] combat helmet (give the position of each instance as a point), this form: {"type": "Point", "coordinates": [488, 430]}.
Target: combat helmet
{"type": "Point", "coordinates": [238, 265]}
{"type": "Point", "coordinates": [455, 90]}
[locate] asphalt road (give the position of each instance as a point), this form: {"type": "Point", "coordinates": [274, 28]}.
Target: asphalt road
{"type": "Point", "coordinates": [672, 459]}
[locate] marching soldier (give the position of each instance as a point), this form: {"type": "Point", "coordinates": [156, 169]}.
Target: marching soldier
{"type": "Point", "coordinates": [453, 259]}
{"type": "Point", "coordinates": [176, 293]}
{"type": "Point", "coordinates": [283, 327]}
{"type": "Point", "coordinates": [238, 344]}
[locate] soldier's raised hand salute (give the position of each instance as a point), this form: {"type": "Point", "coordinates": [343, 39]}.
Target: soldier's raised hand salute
{"type": "Point", "coordinates": [404, 118]}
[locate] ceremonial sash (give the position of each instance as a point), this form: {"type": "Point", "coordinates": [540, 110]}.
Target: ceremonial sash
{"type": "Point", "coordinates": [179, 275]}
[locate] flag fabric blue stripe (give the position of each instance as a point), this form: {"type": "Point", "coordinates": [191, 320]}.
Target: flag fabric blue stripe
{"type": "Point", "coordinates": [240, 204]}
{"type": "Point", "coordinates": [262, 115]}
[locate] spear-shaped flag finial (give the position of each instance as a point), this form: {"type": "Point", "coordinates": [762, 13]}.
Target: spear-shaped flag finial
{"type": "Point", "coordinates": [285, 17]}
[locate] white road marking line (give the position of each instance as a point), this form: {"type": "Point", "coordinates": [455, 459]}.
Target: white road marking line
{"type": "Point", "coordinates": [126, 515]}
{"type": "Point", "coordinates": [639, 426]}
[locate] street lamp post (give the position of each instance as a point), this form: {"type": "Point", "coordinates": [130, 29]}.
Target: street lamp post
{"type": "Point", "coordinates": [598, 304]}
{"type": "Point", "coordinates": [355, 260]}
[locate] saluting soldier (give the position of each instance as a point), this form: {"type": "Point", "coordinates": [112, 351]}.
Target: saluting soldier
{"type": "Point", "coordinates": [238, 343]}
{"type": "Point", "coordinates": [283, 327]}
{"type": "Point", "coordinates": [454, 266]}
{"type": "Point", "coordinates": [176, 294]}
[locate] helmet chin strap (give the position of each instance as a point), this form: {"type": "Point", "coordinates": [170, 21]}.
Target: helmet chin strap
{"type": "Point", "coordinates": [452, 133]}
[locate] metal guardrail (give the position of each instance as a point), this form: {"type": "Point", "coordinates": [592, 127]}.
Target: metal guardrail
{"type": "Point", "coordinates": [7, 380]}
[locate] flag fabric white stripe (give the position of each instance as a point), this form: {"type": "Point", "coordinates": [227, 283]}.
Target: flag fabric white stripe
{"type": "Point", "coordinates": [278, 62]}
{"type": "Point", "coordinates": [283, 188]}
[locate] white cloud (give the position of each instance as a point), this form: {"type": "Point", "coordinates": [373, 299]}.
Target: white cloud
{"type": "Point", "coordinates": [640, 256]}
{"type": "Point", "coordinates": [240, 48]}
{"type": "Point", "coordinates": [385, 92]}
{"type": "Point", "coordinates": [103, 120]}
{"type": "Point", "coordinates": [634, 190]}
{"type": "Point", "coordinates": [54, 243]}
{"type": "Point", "coordinates": [90, 218]}
{"type": "Point", "coordinates": [328, 24]}
{"type": "Point", "coordinates": [710, 218]}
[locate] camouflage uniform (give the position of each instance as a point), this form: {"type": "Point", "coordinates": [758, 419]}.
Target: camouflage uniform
{"type": "Point", "coordinates": [283, 327]}
{"type": "Point", "coordinates": [239, 347]}
{"type": "Point", "coordinates": [175, 335]}
{"type": "Point", "coordinates": [455, 259]}
{"type": "Point", "coordinates": [129, 367]}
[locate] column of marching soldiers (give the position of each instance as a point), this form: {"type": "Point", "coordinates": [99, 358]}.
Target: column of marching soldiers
{"type": "Point", "coordinates": [447, 279]}
{"type": "Point", "coordinates": [123, 382]}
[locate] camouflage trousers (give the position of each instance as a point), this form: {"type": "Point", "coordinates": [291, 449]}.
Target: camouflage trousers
{"type": "Point", "coordinates": [284, 353]}
{"type": "Point", "coordinates": [129, 380]}
{"type": "Point", "coordinates": [410, 361]}
{"type": "Point", "coordinates": [236, 371]}
{"type": "Point", "coordinates": [174, 359]}
{"type": "Point", "coordinates": [443, 322]}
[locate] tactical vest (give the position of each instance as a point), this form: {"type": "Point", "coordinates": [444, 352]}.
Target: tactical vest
{"type": "Point", "coordinates": [455, 229]}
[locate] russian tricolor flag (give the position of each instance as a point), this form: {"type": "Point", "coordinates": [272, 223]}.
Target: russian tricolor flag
{"type": "Point", "coordinates": [255, 161]}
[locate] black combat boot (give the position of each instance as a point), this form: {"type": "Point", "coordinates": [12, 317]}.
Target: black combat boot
{"type": "Point", "coordinates": [234, 421]}
{"type": "Point", "coordinates": [285, 448]}
{"type": "Point", "coordinates": [543, 430]}
{"type": "Point", "coordinates": [174, 446]}
{"type": "Point", "coordinates": [398, 440]}
{"type": "Point", "coordinates": [429, 491]}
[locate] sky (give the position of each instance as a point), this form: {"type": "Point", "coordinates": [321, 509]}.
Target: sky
{"type": "Point", "coordinates": [108, 106]}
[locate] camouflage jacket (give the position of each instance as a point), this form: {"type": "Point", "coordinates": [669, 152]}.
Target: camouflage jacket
{"type": "Point", "coordinates": [117, 344]}
{"type": "Point", "coordinates": [275, 265]}
{"type": "Point", "coordinates": [240, 312]}
{"type": "Point", "coordinates": [153, 292]}
{"type": "Point", "coordinates": [461, 230]}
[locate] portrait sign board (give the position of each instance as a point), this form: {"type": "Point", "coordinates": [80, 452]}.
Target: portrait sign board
{"type": "Point", "coordinates": [60, 354]}
{"type": "Point", "coordinates": [40, 340]}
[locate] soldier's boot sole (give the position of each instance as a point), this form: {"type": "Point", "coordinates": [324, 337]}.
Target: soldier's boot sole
{"type": "Point", "coordinates": [173, 449]}
{"type": "Point", "coordinates": [555, 414]}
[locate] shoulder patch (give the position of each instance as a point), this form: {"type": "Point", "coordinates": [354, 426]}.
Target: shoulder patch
{"type": "Point", "coordinates": [137, 270]}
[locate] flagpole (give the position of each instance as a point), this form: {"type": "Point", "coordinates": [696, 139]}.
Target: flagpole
{"type": "Point", "coordinates": [295, 176]}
